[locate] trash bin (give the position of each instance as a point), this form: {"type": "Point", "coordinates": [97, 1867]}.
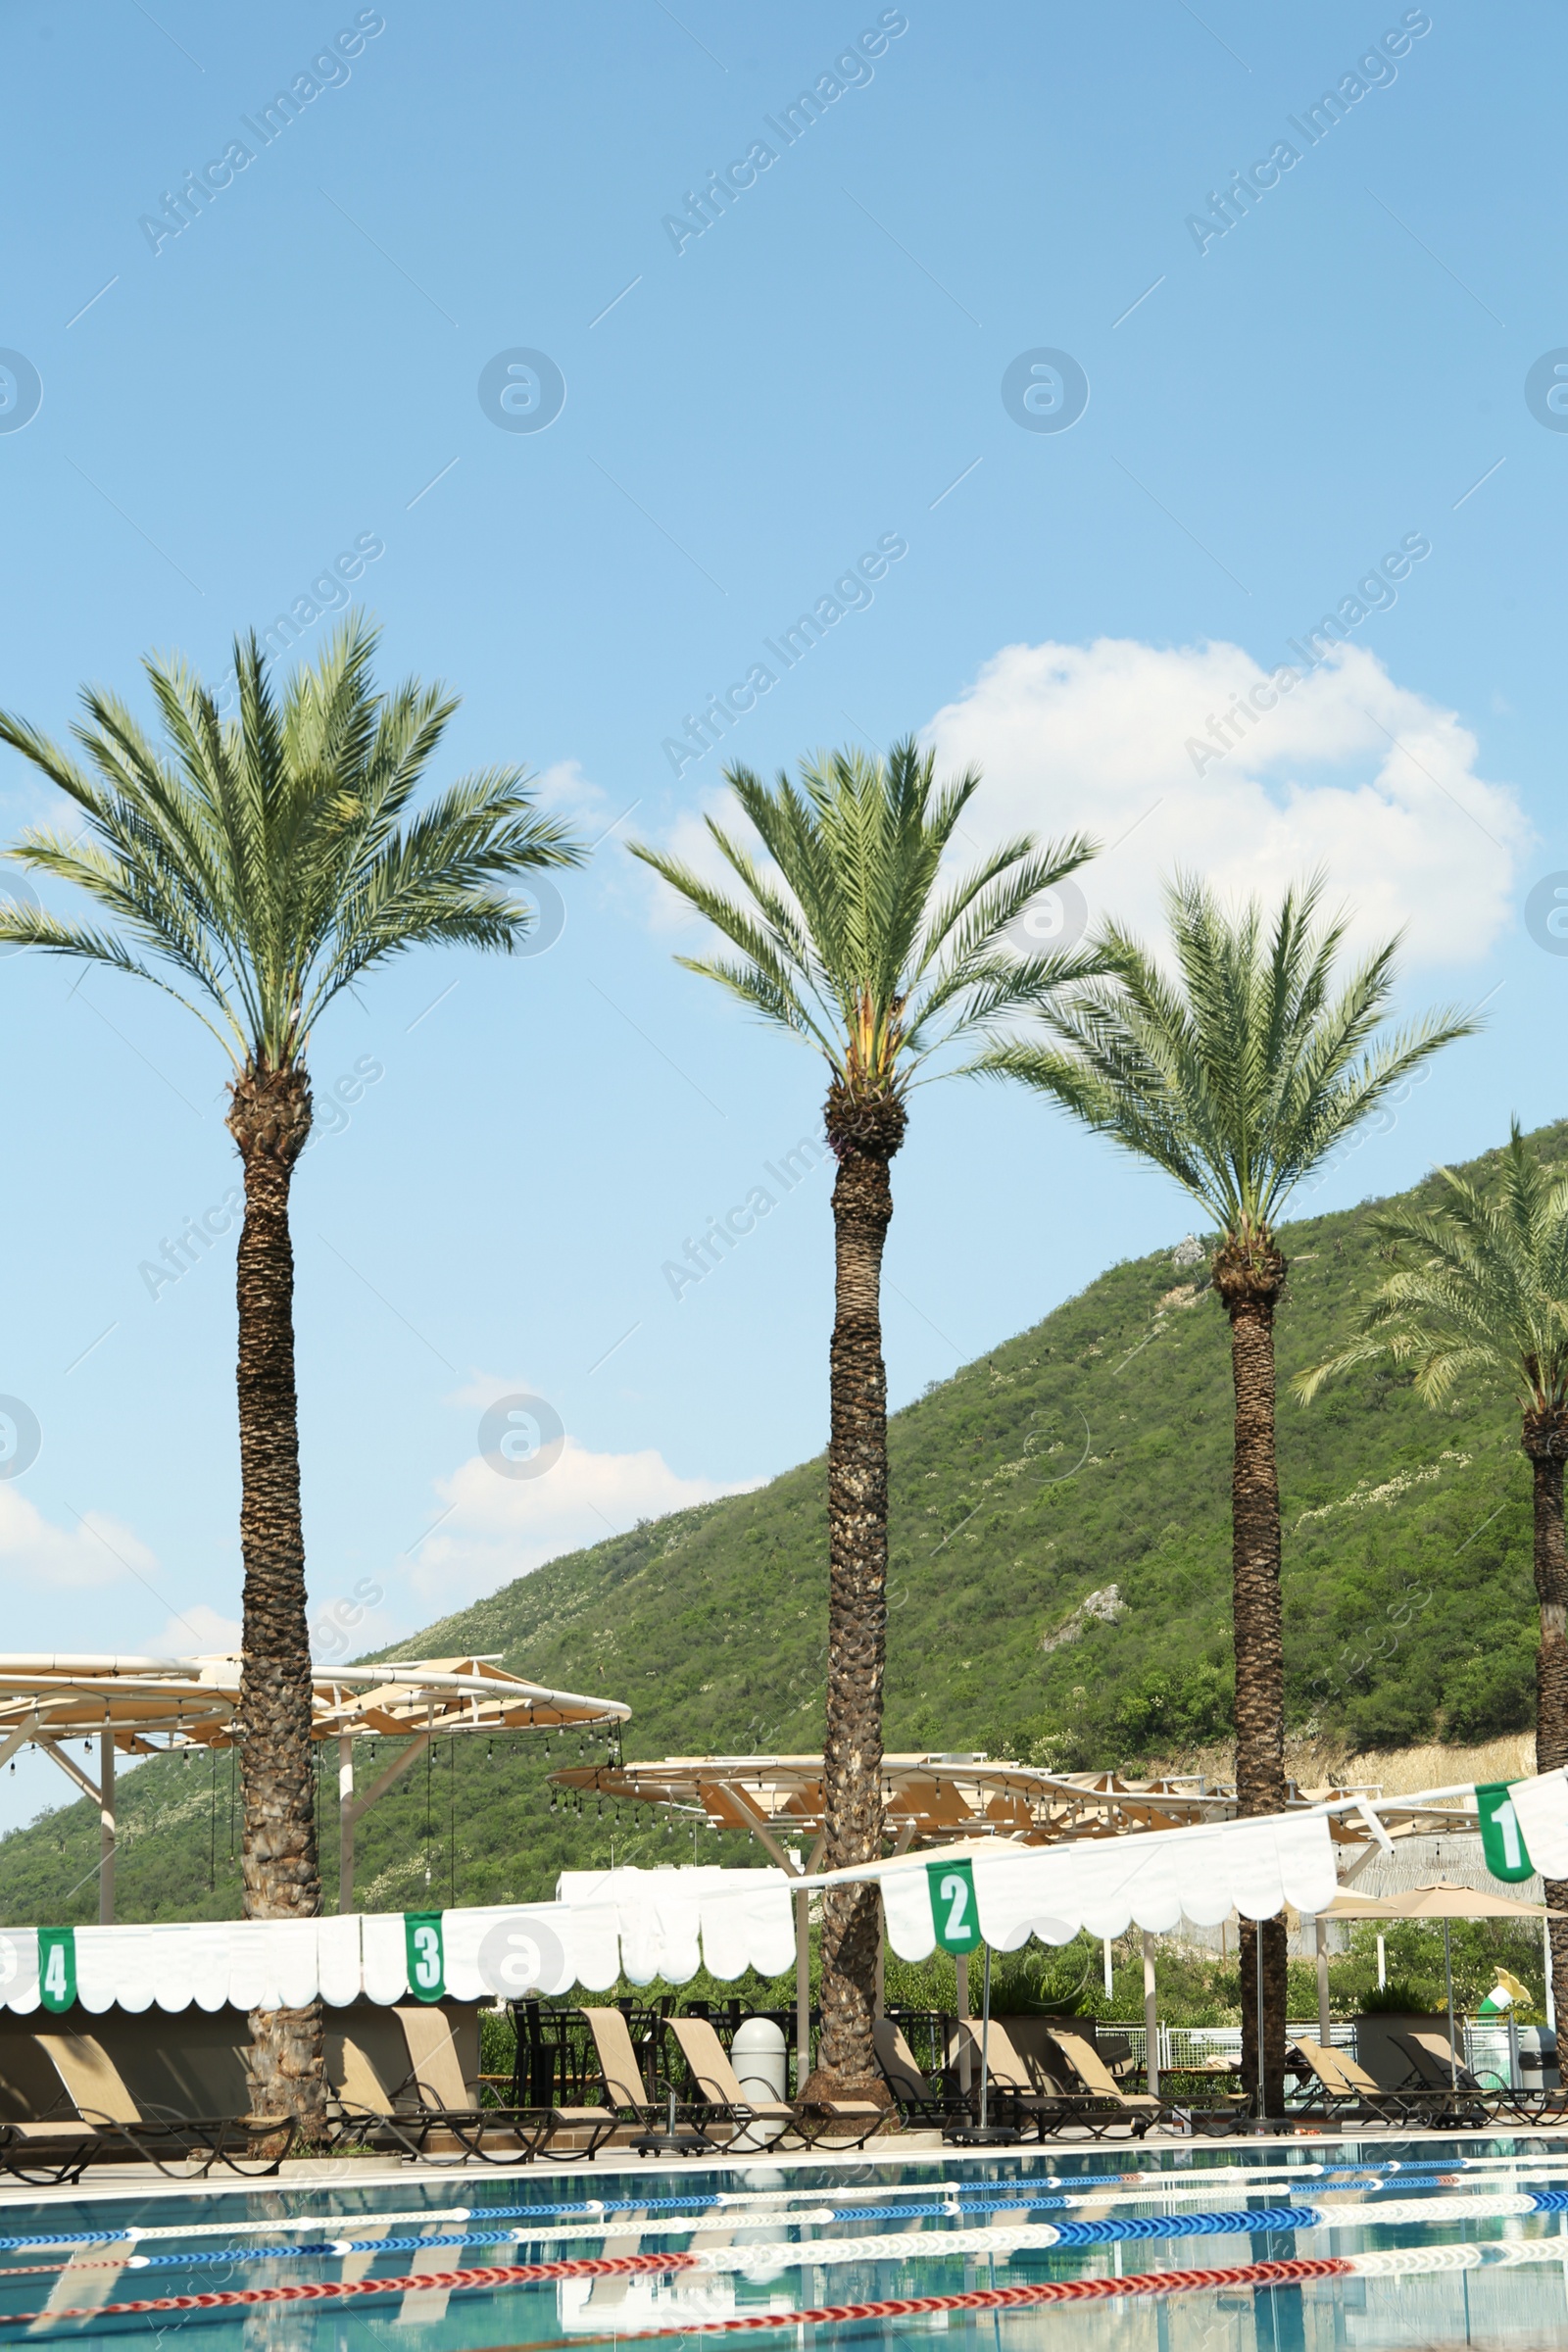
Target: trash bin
{"type": "Point", "coordinates": [1537, 2058]}
{"type": "Point", "coordinates": [760, 2056]}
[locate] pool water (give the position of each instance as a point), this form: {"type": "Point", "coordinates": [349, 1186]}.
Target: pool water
{"type": "Point", "coordinates": [1418, 2242]}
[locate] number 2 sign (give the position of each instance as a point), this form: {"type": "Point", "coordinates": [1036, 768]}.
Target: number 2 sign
{"type": "Point", "coordinates": [954, 1910]}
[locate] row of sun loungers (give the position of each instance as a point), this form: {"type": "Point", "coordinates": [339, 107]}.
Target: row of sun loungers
{"type": "Point", "coordinates": [433, 2116]}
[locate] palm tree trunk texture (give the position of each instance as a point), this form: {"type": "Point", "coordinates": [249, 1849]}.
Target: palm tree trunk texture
{"type": "Point", "coordinates": [857, 1577]}
{"type": "Point", "coordinates": [1249, 1282]}
{"type": "Point", "coordinates": [1545, 1440]}
{"type": "Point", "coordinates": [269, 1118]}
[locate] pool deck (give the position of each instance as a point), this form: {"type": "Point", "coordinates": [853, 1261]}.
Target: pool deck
{"type": "Point", "coordinates": [113, 2184]}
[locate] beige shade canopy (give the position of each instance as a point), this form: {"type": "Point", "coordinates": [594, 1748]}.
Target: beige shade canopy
{"type": "Point", "coordinates": [941, 1798]}
{"type": "Point", "coordinates": [140, 1706]}
{"type": "Point", "coordinates": [1439, 1900]}
{"type": "Point", "coordinates": [151, 1705]}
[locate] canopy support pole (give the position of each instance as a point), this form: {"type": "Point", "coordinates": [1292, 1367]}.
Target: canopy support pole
{"type": "Point", "coordinates": [1323, 1981]}
{"type": "Point", "coordinates": [1151, 2020]}
{"type": "Point", "coordinates": [345, 1825]}
{"type": "Point", "coordinates": [1447, 1970]}
{"type": "Point", "coordinates": [961, 1971]}
{"type": "Point", "coordinates": [106, 1828]}
{"type": "Point", "coordinates": [802, 1991]}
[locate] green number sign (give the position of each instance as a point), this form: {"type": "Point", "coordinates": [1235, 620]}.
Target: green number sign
{"type": "Point", "coordinates": [57, 1966]}
{"type": "Point", "coordinates": [426, 1957]}
{"type": "Point", "coordinates": [953, 1905]}
{"type": "Point", "coordinates": [1501, 1839]}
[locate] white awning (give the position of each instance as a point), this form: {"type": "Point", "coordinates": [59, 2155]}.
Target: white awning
{"type": "Point", "coordinates": [643, 1924]}
{"type": "Point", "coordinates": [1108, 1885]}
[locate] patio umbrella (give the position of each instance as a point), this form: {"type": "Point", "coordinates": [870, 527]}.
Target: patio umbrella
{"type": "Point", "coordinates": [1440, 1900]}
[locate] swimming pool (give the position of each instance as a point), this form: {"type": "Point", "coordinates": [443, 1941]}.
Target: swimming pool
{"type": "Point", "coordinates": [1192, 2248]}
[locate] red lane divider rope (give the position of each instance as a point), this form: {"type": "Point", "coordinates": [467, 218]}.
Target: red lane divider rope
{"type": "Point", "coordinates": [1295, 2273]}
{"type": "Point", "coordinates": [516, 2274]}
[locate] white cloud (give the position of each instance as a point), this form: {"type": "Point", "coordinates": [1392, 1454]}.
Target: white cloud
{"type": "Point", "coordinates": [1371, 780]}
{"type": "Point", "coordinates": [498, 1528]}
{"type": "Point", "coordinates": [195, 1632]}
{"type": "Point", "coordinates": [565, 788]}
{"type": "Point", "coordinates": [96, 1550]}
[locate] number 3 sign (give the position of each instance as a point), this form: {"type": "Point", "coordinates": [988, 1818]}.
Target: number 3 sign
{"type": "Point", "coordinates": [427, 1958]}
{"type": "Point", "coordinates": [954, 1910]}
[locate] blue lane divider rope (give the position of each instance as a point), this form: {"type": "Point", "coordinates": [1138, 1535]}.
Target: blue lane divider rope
{"type": "Point", "coordinates": [977, 2196]}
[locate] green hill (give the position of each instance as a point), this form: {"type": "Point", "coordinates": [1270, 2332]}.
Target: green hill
{"type": "Point", "coordinates": [1059, 1592]}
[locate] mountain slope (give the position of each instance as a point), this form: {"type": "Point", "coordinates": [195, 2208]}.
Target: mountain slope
{"type": "Point", "coordinates": [1059, 1590]}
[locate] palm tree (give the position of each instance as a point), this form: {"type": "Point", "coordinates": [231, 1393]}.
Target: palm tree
{"type": "Point", "coordinates": [1486, 1293]}
{"type": "Point", "coordinates": [848, 942]}
{"type": "Point", "coordinates": [253, 869]}
{"type": "Point", "coordinates": [1238, 1076]}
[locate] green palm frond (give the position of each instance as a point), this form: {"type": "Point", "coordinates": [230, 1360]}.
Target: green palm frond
{"type": "Point", "coordinates": [1481, 1288]}
{"type": "Point", "coordinates": [1238, 1073]}
{"type": "Point", "coordinates": [850, 935]}
{"type": "Point", "coordinates": [257, 866]}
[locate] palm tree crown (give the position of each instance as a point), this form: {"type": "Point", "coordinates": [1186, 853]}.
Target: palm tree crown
{"type": "Point", "coordinates": [1487, 1291]}
{"type": "Point", "coordinates": [256, 868]}
{"type": "Point", "coordinates": [1237, 1077]}
{"type": "Point", "coordinates": [1488, 1294]}
{"type": "Point", "coordinates": [1241, 1075]}
{"type": "Point", "coordinates": [856, 952]}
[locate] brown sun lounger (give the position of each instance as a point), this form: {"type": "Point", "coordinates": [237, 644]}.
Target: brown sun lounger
{"type": "Point", "coordinates": [1084, 2064]}
{"type": "Point", "coordinates": [498, 2135]}
{"type": "Point", "coordinates": [1444, 2077]}
{"type": "Point", "coordinates": [115, 2123]}
{"type": "Point", "coordinates": [627, 2095]}
{"type": "Point", "coordinates": [917, 2099]}
{"type": "Point", "coordinates": [429, 2116]}
{"type": "Point", "coordinates": [720, 2087]}
{"type": "Point", "coordinates": [1341, 2091]}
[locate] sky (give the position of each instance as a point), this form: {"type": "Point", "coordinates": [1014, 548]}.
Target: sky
{"type": "Point", "coordinates": [1164, 412]}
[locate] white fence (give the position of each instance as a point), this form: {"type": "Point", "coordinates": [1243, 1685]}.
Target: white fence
{"type": "Point", "coordinates": [1488, 2050]}
{"type": "Point", "coordinates": [1190, 2046]}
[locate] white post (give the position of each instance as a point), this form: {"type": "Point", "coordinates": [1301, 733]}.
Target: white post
{"type": "Point", "coordinates": [106, 1828]}
{"type": "Point", "coordinates": [1323, 2030]}
{"type": "Point", "coordinates": [1150, 2020]}
{"type": "Point", "coordinates": [345, 1826]}
{"type": "Point", "coordinates": [1551, 2004]}
{"type": "Point", "coordinates": [1110, 1986]}
{"type": "Point", "coordinates": [960, 1970]}
{"type": "Point", "coordinates": [802, 1991]}
{"type": "Point", "coordinates": [1383, 1964]}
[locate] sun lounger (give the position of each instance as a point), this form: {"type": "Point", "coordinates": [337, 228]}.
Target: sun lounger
{"type": "Point", "coordinates": [112, 2120]}
{"type": "Point", "coordinates": [1086, 2067]}
{"type": "Point", "coordinates": [917, 2098]}
{"type": "Point", "coordinates": [1442, 2076]}
{"type": "Point", "coordinates": [1344, 2091]}
{"type": "Point", "coordinates": [627, 2095]}
{"type": "Point", "coordinates": [407, 2115]}
{"type": "Point", "coordinates": [1027, 2089]}
{"type": "Point", "coordinates": [498, 2135]}
{"type": "Point", "coordinates": [717, 2084]}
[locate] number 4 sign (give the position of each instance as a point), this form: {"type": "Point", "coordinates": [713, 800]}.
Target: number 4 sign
{"type": "Point", "coordinates": [427, 1959]}
{"type": "Point", "coordinates": [954, 1910]}
{"type": "Point", "coordinates": [1501, 1840]}
{"type": "Point", "coordinates": [57, 1966]}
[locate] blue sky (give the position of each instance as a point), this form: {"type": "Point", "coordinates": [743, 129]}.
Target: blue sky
{"type": "Point", "coordinates": [1312, 401]}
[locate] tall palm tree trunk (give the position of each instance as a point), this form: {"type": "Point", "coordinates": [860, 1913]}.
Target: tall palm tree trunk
{"type": "Point", "coordinates": [1249, 1279]}
{"type": "Point", "coordinates": [1544, 1440]}
{"type": "Point", "coordinates": [269, 1119]}
{"type": "Point", "coordinates": [864, 1137]}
